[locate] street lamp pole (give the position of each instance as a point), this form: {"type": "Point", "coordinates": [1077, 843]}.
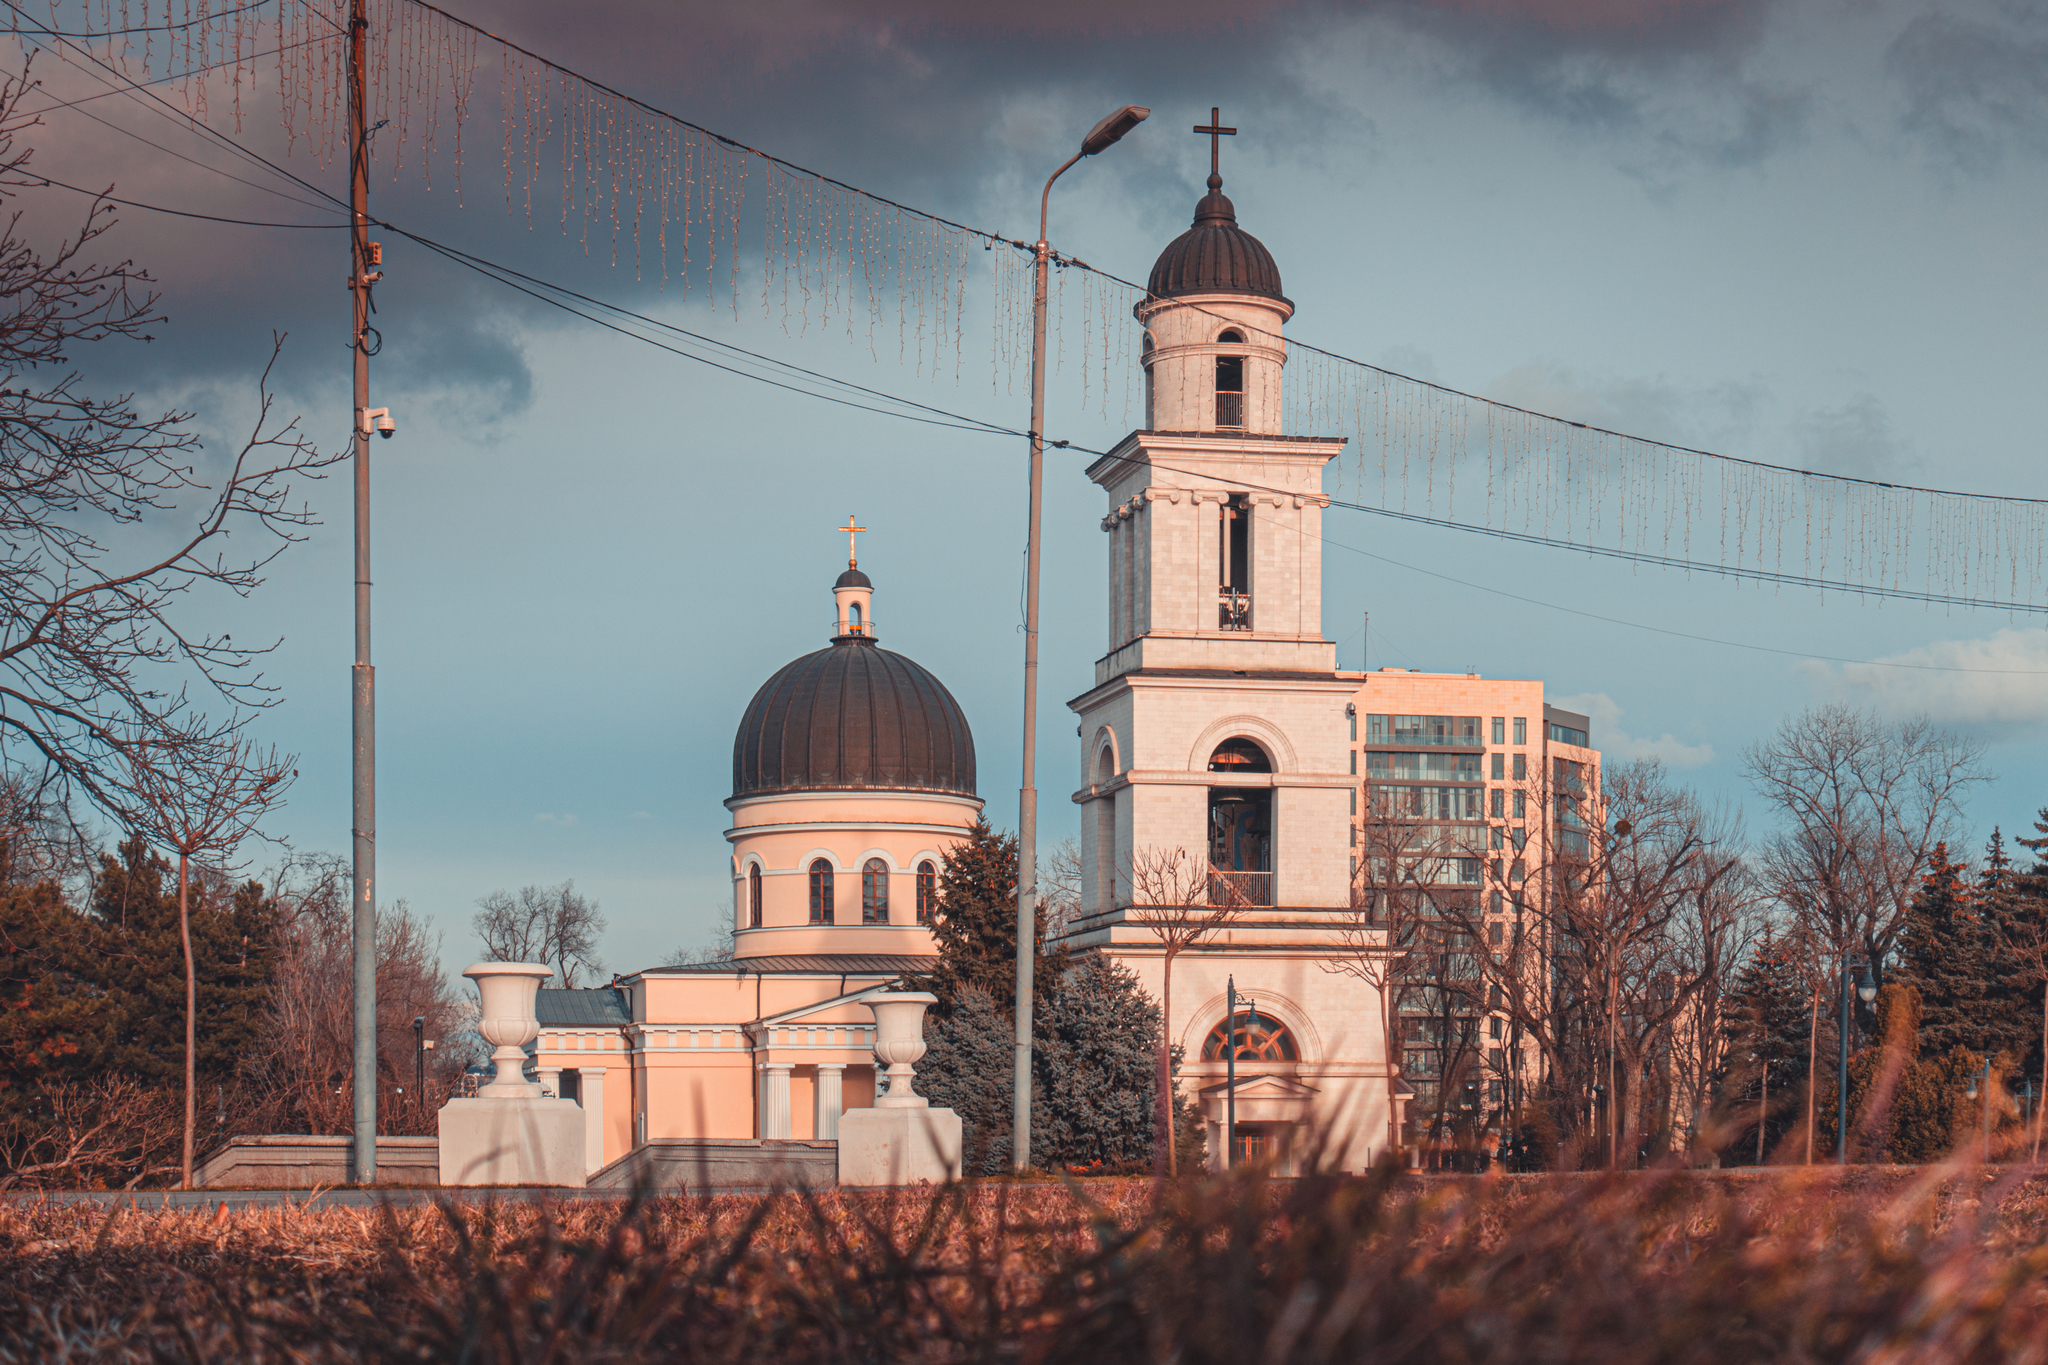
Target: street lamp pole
{"type": "Point", "coordinates": [1230, 1073]}
{"type": "Point", "coordinates": [1103, 135]}
{"type": "Point", "coordinates": [1867, 992]}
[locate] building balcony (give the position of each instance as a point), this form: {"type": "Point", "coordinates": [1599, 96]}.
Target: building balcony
{"type": "Point", "coordinates": [1240, 888]}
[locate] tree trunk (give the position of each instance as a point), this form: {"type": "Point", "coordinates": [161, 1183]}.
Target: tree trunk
{"type": "Point", "coordinates": [1812, 1061]}
{"type": "Point", "coordinates": [2043, 1103]}
{"type": "Point", "coordinates": [191, 1014]}
{"type": "Point", "coordinates": [1163, 1163]}
{"type": "Point", "coordinates": [1387, 1051]}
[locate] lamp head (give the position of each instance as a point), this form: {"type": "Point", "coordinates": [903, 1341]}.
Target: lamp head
{"type": "Point", "coordinates": [1867, 991]}
{"type": "Point", "coordinates": [1111, 129]}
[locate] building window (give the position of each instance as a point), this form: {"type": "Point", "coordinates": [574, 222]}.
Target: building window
{"type": "Point", "coordinates": [1230, 384]}
{"type": "Point", "coordinates": [1517, 871]}
{"type": "Point", "coordinates": [874, 892]}
{"type": "Point", "coordinates": [1495, 933]}
{"type": "Point", "coordinates": [1521, 767]}
{"type": "Point", "coordinates": [1521, 730]}
{"type": "Point", "coordinates": [1521, 805]}
{"type": "Point", "coordinates": [927, 891]}
{"type": "Point", "coordinates": [853, 616]}
{"type": "Point", "coordinates": [1521, 838]}
{"type": "Point", "coordinates": [1260, 1038]}
{"type": "Point", "coordinates": [1496, 902]}
{"type": "Point", "coordinates": [1496, 1022]}
{"type": "Point", "coordinates": [754, 896]}
{"type": "Point", "coordinates": [1500, 769]}
{"type": "Point", "coordinates": [1239, 756]}
{"type": "Point", "coordinates": [1499, 838]}
{"type": "Point", "coordinates": [1497, 795]}
{"type": "Point", "coordinates": [1565, 734]}
{"type": "Point", "coordinates": [821, 891]}
{"type": "Point", "coordinates": [1500, 730]}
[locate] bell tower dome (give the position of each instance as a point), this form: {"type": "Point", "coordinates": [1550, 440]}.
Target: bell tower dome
{"type": "Point", "coordinates": [1213, 313]}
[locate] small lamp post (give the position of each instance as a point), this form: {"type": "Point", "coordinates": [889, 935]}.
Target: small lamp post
{"type": "Point", "coordinates": [1230, 1067]}
{"type": "Point", "coordinates": [1866, 991]}
{"type": "Point", "coordinates": [1763, 1107]}
{"type": "Point", "coordinates": [419, 1055]}
{"type": "Point", "coordinates": [1982, 1081]}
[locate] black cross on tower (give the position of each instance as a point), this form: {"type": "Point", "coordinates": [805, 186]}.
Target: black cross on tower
{"type": "Point", "coordinates": [1216, 132]}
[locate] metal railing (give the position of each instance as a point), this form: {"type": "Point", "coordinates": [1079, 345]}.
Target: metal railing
{"type": "Point", "coordinates": [1234, 610]}
{"type": "Point", "coordinates": [1229, 409]}
{"type": "Point", "coordinates": [1240, 888]}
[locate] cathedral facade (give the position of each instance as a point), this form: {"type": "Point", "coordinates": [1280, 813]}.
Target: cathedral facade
{"type": "Point", "coordinates": [1231, 778]}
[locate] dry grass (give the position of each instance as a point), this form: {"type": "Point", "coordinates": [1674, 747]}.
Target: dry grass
{"type": "Point", "coordinates": [1948, 1264]}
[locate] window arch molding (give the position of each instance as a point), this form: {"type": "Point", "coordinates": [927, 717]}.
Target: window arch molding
{"type": "Point", "coordinates": [1204, 1019]}
{"type": "Point", "coordinates": [1105, 747]}
{"type": "Point", "coordinates": [1233, 335]}
{"type": "Point", "coordinates": [1257, 729]}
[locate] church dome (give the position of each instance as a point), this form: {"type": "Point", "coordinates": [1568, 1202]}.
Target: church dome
{"type": "Point", "coordinates": [1215, 256]}
{"type": "Point", "coordinates": [853, 716]}
{"type": "Point", "coordinates": [854, 578]}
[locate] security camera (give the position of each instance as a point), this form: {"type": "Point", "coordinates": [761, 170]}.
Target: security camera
{"type": "Point", "coordinates": [386, 427]}
{"type": "Point", "coordinates": [377, 420]}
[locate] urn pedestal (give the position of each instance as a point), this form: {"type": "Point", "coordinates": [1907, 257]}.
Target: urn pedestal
{"type": "Point", "coordinates": [902, 1140]}
{"type": "Point", "coordinates": [511, 1134]}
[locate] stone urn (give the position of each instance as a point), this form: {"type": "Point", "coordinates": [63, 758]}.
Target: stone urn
{"type": "Point", "coordinates": [508, 1023]}
{"type": "Point", "coordinates": [899, 1041]}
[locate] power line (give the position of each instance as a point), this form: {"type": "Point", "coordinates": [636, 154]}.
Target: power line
{"type": "Point", "coordinates": [186, 74]}
{"type": "Point", "coordinates": [180, 213]}
{"type": "Point", "coordinates": [151, 28]}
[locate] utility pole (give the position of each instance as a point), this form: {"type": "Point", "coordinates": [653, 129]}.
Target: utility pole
{"type": "Point", "coordinates": [363, 708]}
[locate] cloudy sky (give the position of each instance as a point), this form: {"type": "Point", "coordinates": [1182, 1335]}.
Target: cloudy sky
{"type": "Point", "coordinates": [1799, 232]}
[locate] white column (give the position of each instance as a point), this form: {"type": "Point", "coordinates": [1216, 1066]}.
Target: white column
{"type": "Point", "coordinates": [825, 1126]}
{"type": "Point", "coordinates": [591, 1093]}
{"type": "Point", "coordinates": [775, 1099]}
{"type": "Point", "coordinates": [550, 1078]}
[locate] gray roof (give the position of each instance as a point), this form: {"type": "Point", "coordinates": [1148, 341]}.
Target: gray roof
{"type": "Point", "coordinates": [830, 964]}
{"type": "Point", "coordinates": [603, 1007]}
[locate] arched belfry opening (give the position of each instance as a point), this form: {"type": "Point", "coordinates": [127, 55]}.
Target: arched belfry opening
{"type": "Point", "coordinates": [1105, 832]}
{"type": "Point", "coordinates": [1240, 827]}
{"type": "Point", "coordinates": [1234, 564]}
{"type": "Point", "coordinates": [1230, 383]}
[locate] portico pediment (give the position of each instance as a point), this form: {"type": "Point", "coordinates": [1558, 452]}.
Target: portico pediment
{"type": "Point", "coordinates": [1264, 1098]}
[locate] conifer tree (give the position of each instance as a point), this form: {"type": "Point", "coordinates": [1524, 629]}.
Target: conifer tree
{"type": "Point", "coordinates": [1950, 957]}
{"type": "Point", "coordinates": [1767, 1024]}
{"type": "Point", "coordinates": [975, 925]}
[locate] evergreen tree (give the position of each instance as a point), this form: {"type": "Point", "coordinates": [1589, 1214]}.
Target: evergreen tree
{"type": "Point", "coordinates": [234, 936]}
{"type": "Point", "coordinates": [975, 926]}
{"type": "Point", "coordinates": [1769, 1017]}
{"type": "Point", "coordinates": [54, 1019]}
{"type": "Point", "coordinates": [1950, 958]}
{"type": "Point", "coordinates": [1095, 1040]}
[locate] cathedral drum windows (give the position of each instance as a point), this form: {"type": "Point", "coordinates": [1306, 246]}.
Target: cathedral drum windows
{"type": "Point", "coordinates": [927, 891]}
{"type": "Point", "coordinates": [821, 891]}
{"type": "Point", "coordinates": [754, 896]}
{"type": "Point", "coordinates": [874, 892]}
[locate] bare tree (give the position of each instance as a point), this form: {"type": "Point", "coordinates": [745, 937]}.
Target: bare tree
{"type": "Point", "coordinates": [199, 803]}
{"type": "Point", "coordinates": [2025, 937]}
{"type": "Point", "coordinates": [1862, 802]}
{"type": "Point", "coordinates": [1394, 895]}
{"type": "Point", "coordinates": [94, 661]}
{"type": "Point", "coordinates": [106, 1132]}
{"type": "Point", "coordinates": [302, 1077]}
{"type": "Point", "coordinates": [1059, 887]}
{"type": "Point", "coordinates": [1182, 901]}
{"type": "Point", "coordinates": [551, 925]}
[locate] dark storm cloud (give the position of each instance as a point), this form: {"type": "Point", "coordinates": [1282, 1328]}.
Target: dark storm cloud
{"type": "Point", "coordinates": [1975, 86]}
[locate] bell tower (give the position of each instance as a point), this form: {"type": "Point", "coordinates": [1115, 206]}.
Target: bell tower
{"type": "Point", "coordinates": [1216, 724]}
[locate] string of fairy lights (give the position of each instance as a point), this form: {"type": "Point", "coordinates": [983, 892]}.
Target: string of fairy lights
{"type": "Point", "coordinates": [706, 215]}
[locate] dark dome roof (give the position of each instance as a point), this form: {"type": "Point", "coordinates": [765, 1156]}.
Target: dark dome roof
{"type": "Point", "coordinates": [853, 578]}
{"type": "Point", "coordinates": [1215, 256]}
{"type": "Point", "coordinates": [853, 716]}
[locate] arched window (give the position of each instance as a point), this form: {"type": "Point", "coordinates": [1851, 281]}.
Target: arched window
{"type": "Point", "coordinates": [754, 896]}
{"type": "Point", "coordinates": [927, 891]}
{"type": "Point", "coordinates": [874, 892]}
{"type": "Point", "coordinates": [1260, 1038]}
{"type": "Point", "coordinates": [853, 616]}
{"type": "Point", "coordinates": [821, 891]}
{"type": "Point", "coordinates": [1231, 337]}
{"type": "Point", "coordinates": [1239, 756]}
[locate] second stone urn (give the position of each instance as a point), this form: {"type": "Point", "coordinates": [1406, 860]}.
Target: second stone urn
{"type": "Point", "coordinates": [899, 1041]}
{"type": "Point", "coordinates": [508, 1023]}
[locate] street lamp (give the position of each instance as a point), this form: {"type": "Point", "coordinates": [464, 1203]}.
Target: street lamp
{"type": "Point", "coordinates": [1763, 1106]}
{"type": "Point", "coordinates": [1101, 136]}
{"type": "Point", "coordinates": [1866, 991]}
{"type": "Point", "coordinates": [1983, 1080]}
{"type": "Point", "coordinates": [1230, 1068]}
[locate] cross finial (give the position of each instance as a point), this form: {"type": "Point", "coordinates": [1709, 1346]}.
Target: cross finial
{"type": "Point", "coordinates": [1216, 132]}
{"type": "Point", "coordinates": [852, 561]}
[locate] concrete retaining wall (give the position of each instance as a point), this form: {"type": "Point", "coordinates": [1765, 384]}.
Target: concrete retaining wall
{"type": "Point", "coordinates": [292, 1161]}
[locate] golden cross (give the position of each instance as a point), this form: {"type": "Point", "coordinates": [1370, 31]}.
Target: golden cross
{"type": "Point", "coordinates": [851, 531]}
